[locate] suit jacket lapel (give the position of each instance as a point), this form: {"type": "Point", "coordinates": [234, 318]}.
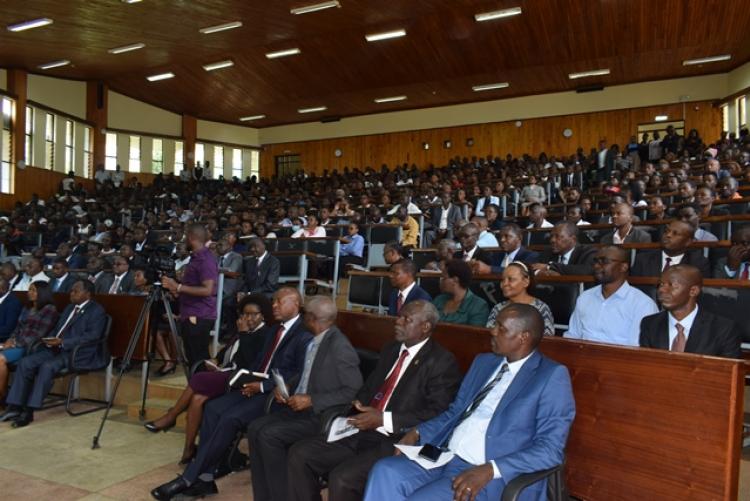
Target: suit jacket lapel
{"type": "Point", "coordinates": [662, 331]}
{"type": "Point", "coordinates": [519, 382]}
{"type": "Point", "coordinates": [699, 325]}
{"type": "Point", "coordinates": [413, 367]}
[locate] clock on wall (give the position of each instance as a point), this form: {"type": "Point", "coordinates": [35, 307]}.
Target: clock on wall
{"type": "Point", "coordinates": [568, 133]}
{"type": "Point", "coordinates": [338, 153]}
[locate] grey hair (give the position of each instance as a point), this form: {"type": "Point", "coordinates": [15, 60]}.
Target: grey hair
{"type": "Point", "coordinates": [323, 307]}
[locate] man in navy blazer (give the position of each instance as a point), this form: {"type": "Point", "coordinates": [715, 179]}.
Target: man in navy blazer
{"type": "Point", "coordinates": [82, 321]}
{"type": "Point", "coordinates": [405, 288]}
{"type": "Point", "coordinates": [515, 401]}
{"type": "Point", "coordinates": [511, 236]}
{"type": "Point", "coordinates": [284, 350]}
{"type": "Point", "coordinates": [10, 308]}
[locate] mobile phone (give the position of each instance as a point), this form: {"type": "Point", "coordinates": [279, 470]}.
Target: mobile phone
{"type": "Point", "coordinates": [430, 452]}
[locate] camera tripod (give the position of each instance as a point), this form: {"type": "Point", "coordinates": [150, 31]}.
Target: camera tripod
{"type": "Point", "coordinates": [157, 293]}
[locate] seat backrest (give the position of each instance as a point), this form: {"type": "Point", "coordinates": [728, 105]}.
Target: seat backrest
{"type": "Point", "coordinates": [368, 360]}
{"type": "Point", "coordinates": [422, 257]}
{"type": "Point", "coordinates": [364, 290]}
{"type": "Point", "coordinates": [287, 244]}
{"type": "Point", "coordinates": [382, 234]}
{"type": "Point", "coordinates": [385, 292]}
{"type": "Point", "coordinates": [728, 303]}
{"type": "Point", "coordinates": [288, 266]}
{"type": "Point", "coordinates": [323, 247]}
{"type": "Point", "coordinates": [431, 285]}
{"type": "Point", "coordinates": [375, 255]}
{"type": "Point", "coordinates": [561, 299]}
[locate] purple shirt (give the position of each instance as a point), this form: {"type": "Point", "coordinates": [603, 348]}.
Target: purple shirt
{"type": "Point", "coordinates": [202, 267]}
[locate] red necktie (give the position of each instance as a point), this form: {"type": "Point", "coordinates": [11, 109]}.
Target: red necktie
{"type": "Point", "coordinates": [745, 273]}
{"type": "Point", "coordinates": [667, 264]}
{"type": "Point", "coordinates": [399, 302]}
{"type": "Point", "coordinates": [267, 357]}
{"type": "Point", "coordinates": [385, 390]}
{"type": "Point", "coordinates": [679, 341]}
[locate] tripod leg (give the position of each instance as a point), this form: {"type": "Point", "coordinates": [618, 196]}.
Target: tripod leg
{"type": "Point", "coordinates": [181, 359]}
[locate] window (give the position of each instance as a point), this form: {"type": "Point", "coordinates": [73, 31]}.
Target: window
{"type": "Point", "coordinates": [28, 148]}
{"type": "Point", "coordinates": [110, 162]}
{"type": "Point", "coordinates": [69, 151]}
{"type": "Point", "coordinates": [5, 144]}
{"type": "Point", "coordinates": [179, 158]}
{"type": "Point", "coordinates": [87, 157]}
{"type": "Point", "coordinates": [255, 164]}
{"type": "Point", "coordinates": [725, 118]}
{"type": "Point", "coordinates": [200, 154]}
{"type": "Point", "coordinates": [237, 163]}
{"type": "Point", "coordinates": [49, 141]}
{"type": "Point", "coordinates": [157, 156]}
{"type": "Point", "coordinates": [134, 164]}
{"type": "Point", "coordinates": [741, 113]}
{"type": "Point", "coordinates": [218, 161]}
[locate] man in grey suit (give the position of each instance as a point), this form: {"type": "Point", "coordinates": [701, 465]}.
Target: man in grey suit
{"type": "Point", "coordinates": [230, 264]}
{"type": "Point", "coordinates": [330, 378]}
{"type": "Point", "coordinates": [98, 276]}
{"type": "Point", "coordinates": [61, 281]}
{"type": "Point", "coordinates": [444, 216]}
{"type": "Point", "coordinates": [261, 270]}
{"type": "Point", "coordinates": [122, 280]}
{"type": "Point", "coordinates": [737, 263]}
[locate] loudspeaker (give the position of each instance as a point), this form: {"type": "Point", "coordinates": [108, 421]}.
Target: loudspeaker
{"type": "Point", "coordinates": [99, 96]}
{"type": "Point", "coordinates": [330, 119]}
{"type": "Point", "coordinates": [589, 88]}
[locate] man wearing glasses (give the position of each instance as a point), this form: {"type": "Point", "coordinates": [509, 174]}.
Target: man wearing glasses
{"type": "Point", "coordinates": [612, 311]}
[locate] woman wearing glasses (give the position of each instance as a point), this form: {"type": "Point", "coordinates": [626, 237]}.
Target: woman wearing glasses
{"type": "Point", "coordinates": [515, 284]}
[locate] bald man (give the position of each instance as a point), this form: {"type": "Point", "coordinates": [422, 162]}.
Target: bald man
{"type": "Point", "coordinates": [684, 326]}
{"type": "Point", "coordinates": [624, 232]}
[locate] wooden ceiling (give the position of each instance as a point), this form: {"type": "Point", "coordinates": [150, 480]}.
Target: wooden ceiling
{"type": "Point", "coordinates": [444, 54]}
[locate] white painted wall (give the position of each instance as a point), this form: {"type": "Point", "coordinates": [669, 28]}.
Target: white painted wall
{"type": "Point", "coordinates": [226, 133]}
{"type": "Point", "coordinates": [130, 114]}
{"type": "Point", "coordinates": [64, 95]}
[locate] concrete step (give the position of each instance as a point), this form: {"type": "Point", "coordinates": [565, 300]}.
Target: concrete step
{"type": "Point", "coordinates": [155, 408]}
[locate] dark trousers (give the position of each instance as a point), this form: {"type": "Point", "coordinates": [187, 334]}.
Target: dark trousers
{"type": "Point", "coordinates": [223, 419]}
{"type": "Point", "coordinates": [346, 463]}
{"type": "Point", "coordinates": [195, 339]}
{"type": "Point", "coordinates": [270, 437]}
{"type": "Point", "coordinates": [35, 374]}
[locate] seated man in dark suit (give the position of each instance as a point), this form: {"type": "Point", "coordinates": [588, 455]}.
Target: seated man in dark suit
{"type": "Point", "coordinates": [121, 281]}
{"type": "Point", "coordinates": [624, 232]}
{"type": "Point", "coordinates": [470, 251]}
{"type": "Point", "coordinates": [405, 288]}
{"type": "Point", "coordinates": [683, 326]}
{"type": "Point", "coordinates": [73, 261]}
{"type": "Point", "coordinates": [511, 236]}
{"type": "Point", "coordinates": [396, 396]}
{"type": "Point", "coordinates": [10, 309]}
{"type": "Point", "coordinates": [330, 378]}
{"type": "Point", "coordinates": [567, 256]}
{"type": "Point", "coordinates": [82, 321]}
{"type": "Point", "coordinates": [675, 243]}
{"type": "Point", "coordinates": [284, 350]}
{"type": "Point", "coordinates": [511, 416]}
{"type": "Point", "coordinates": [98, 276]}
{"type": "Point", "coordinates": [61, 281]}
{"type": "Point", "coordinates": [444, 216]}
{"type": "Point", "coordinates": [737, 263]}
{"type": "Point", "coordinates": [261, 270]}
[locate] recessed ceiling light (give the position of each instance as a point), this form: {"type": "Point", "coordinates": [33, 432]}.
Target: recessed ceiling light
{"type": "Point", "coordinates": [219, 65]}
{"type": "Point", "coordinates": [131, 1]}
{"type": "Point", "coordinates": [497, 14]}
{"type": "Point", "coordinates": [661, 118]}
{"type": "Point", "coordinates": [499, 85]}
{"type": "Point", "coordinates": [221, 27]}
{"type": "Point", "coordinates": [375, 37]}
{"type": "Point", "coordinates": [283, 53]}
{"type": "Point", "coordinates": [254, 117]}
{"type": "Point", "coordinates": [312, 110]}
{"type": "Point", "coordinates": [390, 99]}
{"type": "Point", "coordinates": [160, 76]}
{"type": "Point", "coordinates": [315, 7]}
{"type": "Point", "coordinates": [54, 64]}
{"type": "Point", "coordinates": [704, 60]}
{"type": "Point", "coordinates": [584, 74]}
{"type": "Point", "coordinates": [27, 25]}
{"type": "Point", "coordinates": [127, 48]}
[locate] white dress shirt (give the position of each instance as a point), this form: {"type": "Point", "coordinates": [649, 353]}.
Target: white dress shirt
{"type": "Point", "coordinates": [444, 217]}
{"type": "Point", "coordinates": [686, 323]}
{"type": "Point", "coordinates": [387, 427]}
{"type": "Point", "coordinates": [469, 255]}
{"type": "Point", "coordinates": [405, 293]}
{"type": "Point", "coordinates": [674, 259]}
{"type": "Point", "coordinates": [287, 325]}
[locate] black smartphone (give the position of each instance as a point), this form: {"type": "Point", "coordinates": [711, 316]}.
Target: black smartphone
{"type": "Point", "coordinates": [430, 452]}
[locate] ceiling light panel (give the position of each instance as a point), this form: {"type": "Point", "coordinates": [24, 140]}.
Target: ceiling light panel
{"type": "Point", "coordinates": [29, 25]}
{"type": "Point", "coordinates": [316, 7]}
{"type": "Point", "coordinates": [218, 65]}
{"type": "Point", "coordinates": [497, 14]}
{"type": "Point", "coordinates": [54, 64]}
{"type": "Point", "coordinates": [283, 53]}
{"type": "Point", "coordinates": [160, 76]}
{"type": "Point", "coordinates": [390, 99]}
{"type": "Point", "coordinates": [584, 74]}
{"type": "Point", "coordinates": [251, 118]}
{"type": "Point", "coordinates": [492, 86]}
{"type": "Point", "coordinates": [704, 60]}
{"type": "Point", "coordinates": [221, 27]}
{"type": "Point", "coordinates": [376, 37]}
{"type": "Point", "coordinates": [312, 110]}
{"type": "Point", "coordinates": [127, 48]}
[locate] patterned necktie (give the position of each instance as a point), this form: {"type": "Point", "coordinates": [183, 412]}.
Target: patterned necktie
{"type": "Point", "coordinates": [386, 389]}
{"type": "Point", "coordinates": [679, 341]}
{"type": "Point", "coordinates": [399, 301]}
{"type": "Point", "coordinates": [667, 264]}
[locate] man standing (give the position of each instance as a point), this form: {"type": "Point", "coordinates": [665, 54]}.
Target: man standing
{"type": "Point", "coordinates": [196, 295]}
{"type": "Point", "coordinates": [612, 311]}
{"type": "Point", "coordinates": [261, 270]}
{"type": "Point", "coordinates": [330, 378]}
{"type": "Point", "coordinates": [405, 288]}
{"type": "Point", "coordinates": [683, 326]}
{"type": "Point", "coordinates": [511, 416]}
{"type": "Point", "coordinates": [415, 380]}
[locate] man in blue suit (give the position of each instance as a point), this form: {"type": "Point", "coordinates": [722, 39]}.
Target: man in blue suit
{"type": "Point", "coordinates": [82, 321]}
{"type": "Point", "coordinates": [405, 288]}
{"type": "Point", "coordinates": [224, 417]}
{"type": "Point", "coordinates": [10, 309]}
{"type": "Point", "coordinates": [511, 236]}
{"type": "Point", "coordinates": [511, 416]}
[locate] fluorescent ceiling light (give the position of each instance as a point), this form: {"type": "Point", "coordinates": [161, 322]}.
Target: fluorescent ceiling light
{"type": "Point", "coordinates": [160, 76]}
{"type": "Point", "coordinates": [127, 48]}
{"type": "Point", "coordinates": [584, 74]}
{"type": "Point", "coordinates": [661, 118]}
{"type": "Point", "coordinates": [221, 27]}
{"type": "Point", "coordinates": [390, 99]}
{"type": "Point", "coordinates": [54, 64]}
{"type": "Point", "coordinates": [27, 25]}
{"type": "Point", "coordinates": [375, 37]}
{"type": "Point", "coordinates": [283, 53]}
{"type": "Point", "coordinates": [254, 117]}
{"type": "Point", "coordinates": [219, 65]}
{"type": "Point", "coordinates": [315, 7]}
{"type": "Point", "coordinates": [711, 59]}
{"type": "Point", "coordinates": [497, 14]}
{"type": "Point", "coordinates": [131, 1]}
{"type": "Point", "coordinates": [312, 110]}
{"type": "Point", "coordinates": [499, 85]}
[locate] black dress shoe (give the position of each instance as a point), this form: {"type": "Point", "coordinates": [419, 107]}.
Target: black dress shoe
{"type": "Point", "coordinates": [10, 414]}
{"type": "Point", "coordinates": [150, 426]}
{"type": "Point", "coordinates": [169, 490]}
{"type": "Point", "coordinates": [201, 489]}
{"type": "Point", "coordinates": [23, 419]}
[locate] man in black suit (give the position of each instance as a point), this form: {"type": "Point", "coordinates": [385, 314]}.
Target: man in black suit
{"type": "Point", "coordinates": [74, 261]}
{"type": "Point", "coordinates": [675, 243]}
{"type": "Point", "coordinates": [511, 236]}
{"type": "Point", "coordinates": [683, 326]}
{"type": "Point", "coordinates": [61, 281]}
{"type": "Point", "coordinates": [567, 257]}
{"type": "Point", "coordinates": [470, 251]}
{"type": "Point", "coordinates": [82, 321]}
{"type": "Point", "coordinates": [261, 270]}
{"type": "Point", "coordinates": [98, 276]}
{"type": "Point", "coordinates": [224, 417]}
{"type": "Point", "coordinates": [330, 378]}
{"type": "Point", "coordinates": [134, 260]}
{"type": "Point", "coordinates": [121, 280]}
{"type": "Point", "coordinates": [423, 385]}
{"type": "Point", "coordinates": [405, 288]}
{"type": "Point", "coordinates": [444, 216]}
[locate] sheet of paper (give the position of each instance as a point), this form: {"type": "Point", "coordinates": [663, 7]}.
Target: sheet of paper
{"type": "Point", "coordinates": [412, 452]}
{"type": "Point", "coordinates": [341, 428]}
{"type": "Point", "coordinates": [280, 384]}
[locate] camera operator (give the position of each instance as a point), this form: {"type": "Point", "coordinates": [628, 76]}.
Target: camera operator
{"type": "Point", "coordinates": [196, 295]}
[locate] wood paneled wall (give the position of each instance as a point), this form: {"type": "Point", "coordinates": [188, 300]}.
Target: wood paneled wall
{"type": "Point", "coordinates": [533, 136]}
